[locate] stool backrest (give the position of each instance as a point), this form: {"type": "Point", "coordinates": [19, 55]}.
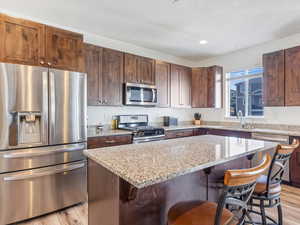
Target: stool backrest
{"type": "Point", "coordinates": [239, 186]}
{"type": "Point", "coordinates": [279, 162]}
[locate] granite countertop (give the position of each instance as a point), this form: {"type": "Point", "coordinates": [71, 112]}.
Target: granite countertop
{"type": "Point", "coordinates": [154, 162]}
{"type": "Point", "coordinates": [92, 131]}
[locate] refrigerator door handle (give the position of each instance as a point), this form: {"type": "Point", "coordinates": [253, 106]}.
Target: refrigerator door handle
{"type": "Point", "coordinates": [52, 150]}
{"type": "Point", "coordinates": [52, 106]}
{"type": "Point", "coordinates": [31, 174]}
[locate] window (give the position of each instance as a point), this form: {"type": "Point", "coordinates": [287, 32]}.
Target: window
{"type": "Point", "coordinates": [244, 92]}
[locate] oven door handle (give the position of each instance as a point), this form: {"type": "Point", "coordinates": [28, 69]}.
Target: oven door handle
{"type": "Point", "coordinates": [30, 175]}
{"type": "Point", "coordinates": [43, 152]}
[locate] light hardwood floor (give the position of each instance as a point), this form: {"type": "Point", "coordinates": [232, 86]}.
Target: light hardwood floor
{"type": "Point", "coordinates": [77, 215]}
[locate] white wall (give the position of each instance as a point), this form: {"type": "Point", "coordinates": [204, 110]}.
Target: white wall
{"type": "Point", "coordinates": [249, 58]}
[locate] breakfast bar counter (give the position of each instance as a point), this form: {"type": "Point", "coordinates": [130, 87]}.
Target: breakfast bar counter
{"type": "Point", "coordinates": [127, 182]}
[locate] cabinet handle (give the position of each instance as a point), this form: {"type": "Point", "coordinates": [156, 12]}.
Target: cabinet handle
{"type": "Point", "coordinates": [110, 141]}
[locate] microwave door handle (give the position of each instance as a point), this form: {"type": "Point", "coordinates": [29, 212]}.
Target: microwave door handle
{"type": "Point", "coordinates": [142, 95]}
{"type": "Point", "coordinates": [153, 95]}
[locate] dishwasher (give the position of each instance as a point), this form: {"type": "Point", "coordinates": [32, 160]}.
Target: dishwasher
{"type": "Point", "coordinates": [281, 139]}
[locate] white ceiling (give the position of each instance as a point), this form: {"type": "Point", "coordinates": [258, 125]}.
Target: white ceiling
{"type": "Point", "coordinates": [173, 28]}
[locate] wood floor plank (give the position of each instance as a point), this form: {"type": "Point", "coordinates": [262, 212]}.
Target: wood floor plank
{"type": "Point", "coordinates": [77, 215]}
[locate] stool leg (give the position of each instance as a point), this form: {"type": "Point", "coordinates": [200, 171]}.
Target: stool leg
{"type": "Point", "coordinates": [263, 213]}
{"type": "Point", "coordinates": [280, 216]}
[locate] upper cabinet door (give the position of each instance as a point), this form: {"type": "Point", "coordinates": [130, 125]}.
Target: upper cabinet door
{"type": "Point", "coordinates": [185, 99]}
{"type": "Point", "coordinates": [130, 68]}
{"type": "Point", "coordinates": [199, 88]}
{"type": "Point", "coordinates": [93, 66]}
{"type": "Point", "coordinates": [180, 86]}
{"type": "Point", "coordinates": [215, 87]}
{"type": "Point", "coordinates": [64, 49]}
{"type": "Point", "coordinates": [138, 69]}
{"type": "Point", "coordinates": [292, 77]}
{"type": "Point", "coordinates": [112, 77]}
{"type": "Point", "coordinates": [145, 70]}
{"type": "Point", "coordinates": [162, 73]}
{"type": "Point", "coordinates": [21, 41]}
{"type": "Point", "coordinates": [273, 83]}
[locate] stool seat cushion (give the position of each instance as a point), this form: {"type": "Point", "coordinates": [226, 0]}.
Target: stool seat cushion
{"type": "Point", "coordinates": [197, 213]}
{"type": "Point", "coordinates": [261, 186]}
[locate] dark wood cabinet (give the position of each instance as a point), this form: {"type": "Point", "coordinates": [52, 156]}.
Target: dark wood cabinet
{"type": "Point", "coordinates": [138, 69]}
{"type": "Point", "coordinates": [273, 79]}
{"type": "Point", "coordinates": [199, 87]}
{"type": "Point", "coordinates": [104, 69]}
{"type": "Point", "coordinates": [93, 65]}
{"type": "Point", "coordinates": [21, 41]}
{"type": "Point", "coordinates": [200, 131]}
{"type": "Point", "coordinates": [207, 87]}
{"type": "Point", "coordinates": [64, 49]}
{"type": "Point", "coordinates": [292, 76]}
{"type": "Point", "coordinates": [162, 73]}
{"type": "Point", "coordinates": [108, 141]}
{"type": "Point", "coordinates": [181, 85]}
{"type": "Point", "coordinates": [112, 77]}
{"type": "Point", "coordinates": [170, 134]}
{"type": "Point", "coordinates": [30, 43]}
{"type": "Point", "coordinates": [215, 87]}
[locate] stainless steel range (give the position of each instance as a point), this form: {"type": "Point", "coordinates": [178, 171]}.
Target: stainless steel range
{"type": "Point", "coordinates": [42, 137]}
{"type": "Point", "coordinates": [139, 125]}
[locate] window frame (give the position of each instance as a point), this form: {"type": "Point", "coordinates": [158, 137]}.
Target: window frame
{"type": "Point", "coordinates": [246, 78]}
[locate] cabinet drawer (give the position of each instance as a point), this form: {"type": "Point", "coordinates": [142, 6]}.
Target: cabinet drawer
{"type": "Point", "coordinates": [35, 192]}
{"type": "Point", "coordinates": [179, 133]}
{"type": "Point", "coordinates": [107, 141]}
{"type": "Point", "coordinates": [200, 131]}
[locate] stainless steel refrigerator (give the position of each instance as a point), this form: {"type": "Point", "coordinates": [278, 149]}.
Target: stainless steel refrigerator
{"type": "Point", "coordinates": [42, 138]}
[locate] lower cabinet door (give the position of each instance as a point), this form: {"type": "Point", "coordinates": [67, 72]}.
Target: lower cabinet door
{"type": "Point", "coordinates": [31, 193]}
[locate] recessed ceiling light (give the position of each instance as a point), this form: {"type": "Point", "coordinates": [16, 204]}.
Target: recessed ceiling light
{"type": "Point", "coordinates": [203, 42]}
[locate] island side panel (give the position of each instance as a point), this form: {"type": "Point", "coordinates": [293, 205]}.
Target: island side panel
{"type": "Point", "coordinates": [151, 204]}
{"type": "Point", "coordinates": [103, 196]}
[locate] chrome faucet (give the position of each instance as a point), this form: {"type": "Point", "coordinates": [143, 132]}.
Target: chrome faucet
{"type": "Point", "coordinates": [241, 118]}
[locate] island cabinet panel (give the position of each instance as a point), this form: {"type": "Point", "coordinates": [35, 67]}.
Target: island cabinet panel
{"type": "Point", "coordinates": [229, 133]}
{"type": "Point", "coordinates": [93, 66]}
{"type": "Point", "coordinates": [292, 76]}
{"type": "Point", "coordinates": [112, 77]}
{"type": "Point", "coordinates": [138, 69]}
{"type": "Point", "coordinates": [199, 87]}
{"type": "Point", "coordinates": [181, 85]}
{"type": "Point", "coordinates": [108, 141]}
{"type": "Point", "coordinates": [104, 68]}
{"type": "Point", "coordinates": [170, 134]}
{"type": "Point", "coordinates": [273, 79]}
{"type": "Point", "coordinates": [295, 166]}
{"type": "Point", "coordinates": [64, 49]}
{"type": "Point", "coordinates": [162, 74]}
{"type": "Point", "coordinates": [21, 41]}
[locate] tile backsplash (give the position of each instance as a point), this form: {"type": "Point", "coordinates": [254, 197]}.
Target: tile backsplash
{"type": "Point", "coordinates": [104, 114]}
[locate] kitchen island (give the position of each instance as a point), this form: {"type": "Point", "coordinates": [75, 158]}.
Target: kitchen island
{"type": "Point", "coordinates": [137, 184]}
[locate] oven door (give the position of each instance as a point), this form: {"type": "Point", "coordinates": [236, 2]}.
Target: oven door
{"type": "Point", "coordinates": [140, 94]}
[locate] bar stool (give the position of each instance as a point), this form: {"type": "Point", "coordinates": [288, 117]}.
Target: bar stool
{"type": "Point", "coordinates": [268, 188]}
{"type": "Point", "coordinates": [238, 188]}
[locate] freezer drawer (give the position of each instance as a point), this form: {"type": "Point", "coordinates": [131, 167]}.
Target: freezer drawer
{"type": "Point", "coordinates": [35, 192]}
{"type": "Point", "coordinates": [40, 157]}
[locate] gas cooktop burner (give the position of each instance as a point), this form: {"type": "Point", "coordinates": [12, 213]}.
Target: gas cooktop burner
{"type": "Point", "coordinates": [142, 132]}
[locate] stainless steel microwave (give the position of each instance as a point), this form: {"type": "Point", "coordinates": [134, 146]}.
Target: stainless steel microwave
{"type": "Point", "coordinates": [140, 94]}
